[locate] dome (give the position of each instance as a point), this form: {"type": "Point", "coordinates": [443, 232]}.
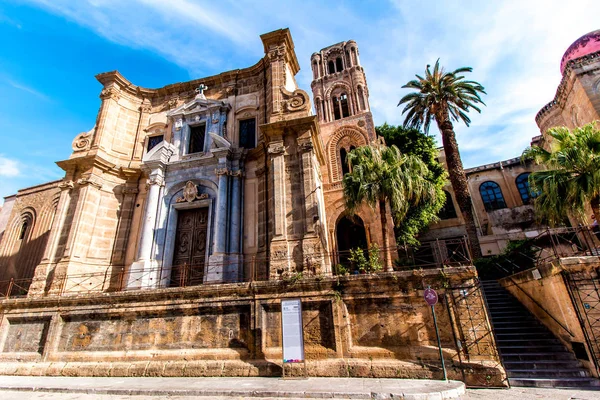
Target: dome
{"type": "Point", "coordinates": [587, 44]}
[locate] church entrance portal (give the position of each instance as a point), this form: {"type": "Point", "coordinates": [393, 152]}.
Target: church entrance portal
{"type": "Point", "coordinates": [190, 247]}
{"type": "Point", "coordinates": [350, 234]}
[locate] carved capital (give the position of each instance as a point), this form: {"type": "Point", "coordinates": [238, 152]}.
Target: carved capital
{"type": "Point", "coordinates": [89, 181]}
{"type": "Point", "coordinates": [133, 190]}
{"type": "Point", "coordinates": [305, 145]}
{"type": "Point", "coordinates": [178, 124]}
{"type": "Point", "coordinates": [66, 185]}
{"type": "Point", "coordinates": [110, 93]}
{"type": "Point", "coordinates": [236, 173]}
{"type": "Point", "coordinates": [154, 180]}
{"type": "Point", "coordinates": [276, 53]}
{"type": "Point", "coordinates": [276, 148]}
{"type": "Point", "coordinates": [146, 108]}
{"type": "Point", "coordinates": [222, 171]}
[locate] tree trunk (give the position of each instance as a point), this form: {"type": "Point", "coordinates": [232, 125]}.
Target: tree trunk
{"type": "Point", "coordinates": [458, 179]}
{"type": "Point", "coordinates": [384, 232]}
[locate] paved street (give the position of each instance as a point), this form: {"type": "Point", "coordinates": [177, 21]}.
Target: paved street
{"type": "Point", "coordinates": [472, 394]}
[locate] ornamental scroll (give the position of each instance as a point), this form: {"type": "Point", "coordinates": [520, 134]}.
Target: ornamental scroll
{"type": "Point", "coordinates": [190, 193]}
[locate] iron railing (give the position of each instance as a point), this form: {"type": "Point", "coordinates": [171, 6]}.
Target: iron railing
{"type": "Point", "coordinates": [430, 254]}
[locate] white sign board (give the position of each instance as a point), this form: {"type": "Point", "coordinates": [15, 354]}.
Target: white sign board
{"type": "Point", "coordinates": [291, 326]}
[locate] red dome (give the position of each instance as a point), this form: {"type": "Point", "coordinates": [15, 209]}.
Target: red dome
{"type": "Point", "coordinates": [587, 44]}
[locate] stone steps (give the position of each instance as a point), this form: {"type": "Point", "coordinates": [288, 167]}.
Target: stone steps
{"type": "Point", "coordinates": [531, 354]}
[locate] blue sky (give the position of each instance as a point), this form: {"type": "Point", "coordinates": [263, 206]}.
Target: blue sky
{"type": "Point", "coordinates": [51, 49]}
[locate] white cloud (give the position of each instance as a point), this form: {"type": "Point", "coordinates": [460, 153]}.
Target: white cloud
{"type": "Point", "coordinates": [8, 167]}
{"type": "Point", "coordinates": [514, 47]}
{"type": "Point", "coordinates": [27, 89]}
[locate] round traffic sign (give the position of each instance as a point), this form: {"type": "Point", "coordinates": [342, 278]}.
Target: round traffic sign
{"type": "Point", "coordinates": [431, 297]}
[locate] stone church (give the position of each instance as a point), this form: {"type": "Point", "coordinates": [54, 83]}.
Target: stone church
{"type": "Point", "coordinates": [188, 212]}
{"type": "Point", "coordinates": [220, 179]}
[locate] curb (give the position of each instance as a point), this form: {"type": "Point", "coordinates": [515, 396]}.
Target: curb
{"type": "Point", "coordinates": [452, 393]}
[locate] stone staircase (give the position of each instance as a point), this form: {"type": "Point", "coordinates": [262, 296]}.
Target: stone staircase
{"type": "Point", "coordinates": [531, 354]}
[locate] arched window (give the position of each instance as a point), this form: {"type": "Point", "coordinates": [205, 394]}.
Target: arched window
{"type": "Point", "coordinates": [344, 104]}
{"type": "Point", "coordinates": [336, 108]}
{"type": "Point", "coordinates": [315, 70]}
{"type": "Point", "coordinates": [522, 182]}
{"type": "Point", "coordinates": [354, 61]}
{"type": "Point", "coordinates": [331, 67]}
{"type": "Point", "coordinates": [448, 211]}
{"type": "Point", "coordinates": [361, 98]}
{"type": "Point", "coordinates": [23, 232]}
{"type": "Point", "coordinates": [492, 197]}
{"type": "Point", "coordinates": [338, 64]}
{"type": "Point", "coordinates": [345, 166]}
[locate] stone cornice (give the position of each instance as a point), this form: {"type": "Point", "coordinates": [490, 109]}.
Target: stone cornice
{"type": "Point", "coordinates": [107, 78]}
{"type": "Point", "coordinates": [281, 37]}
{"type": "Point", "coordinates": [566, 83]}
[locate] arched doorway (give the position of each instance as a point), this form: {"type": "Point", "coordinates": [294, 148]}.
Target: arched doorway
{"type": "Point", "coordinates": [350, 234]}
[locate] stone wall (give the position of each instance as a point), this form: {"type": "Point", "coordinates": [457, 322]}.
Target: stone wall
{"type": "Point", "coordinates": [547, 297]}
{"type": "Point", "coordinates": [359, 326]}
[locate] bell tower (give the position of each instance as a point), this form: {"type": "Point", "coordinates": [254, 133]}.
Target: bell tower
{"type": "Point", "coordinates": [339, 84]}
{"type": "Point", "coordinates": [341, 98]}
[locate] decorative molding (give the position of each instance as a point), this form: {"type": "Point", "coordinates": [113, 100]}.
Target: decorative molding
{"type": "Point", "coordinates": [83, 141]}
{"type": "Point", "coordinates": [154, 180]}
{"type": "Point", "coordinates": [222, 171]}
{"type": "Point", "coordinates": [66, 185]}
{"type": "Point", "coordinates": [276, 53]}
{"type": "Point", "coordinates": [110, 93]}
{"type": "Point", "coordinates": [89, 181]}
{"type": "Point", "coordinates": [305, 145]}
{"type": "Point", "coordinates": [276, 148]}
{"type": "Point", "coordinates": [190, 193]}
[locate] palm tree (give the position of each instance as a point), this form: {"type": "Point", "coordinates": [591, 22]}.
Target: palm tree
{"type": "Point", "coordinates": [380, 175]}
{"type": "Point", "coordinates": [446, 97]}
{"type": "Point", "coordinates": [572, 180]}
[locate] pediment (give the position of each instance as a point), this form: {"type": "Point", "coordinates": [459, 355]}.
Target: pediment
{"type": "Point", "coordinates": [197, 105]}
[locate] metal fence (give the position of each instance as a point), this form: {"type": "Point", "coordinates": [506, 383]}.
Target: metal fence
{"type": "Point", "coordinates": [430, 254]}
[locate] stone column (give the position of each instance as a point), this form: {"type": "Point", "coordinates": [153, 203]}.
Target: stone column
{"type": "Point", "coordinates": [221, 211]}
{"type": "Point", "coordinates": [219, 268]}
{"type": "Point", "coordinates": [45, 273]}
{"type": "Point", "coordinates": [236, 212]}
{"type": "Point", "coordinates": [141, 273]}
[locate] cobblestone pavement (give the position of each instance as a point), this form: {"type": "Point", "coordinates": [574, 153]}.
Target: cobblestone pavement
{"type": "Point", "coordinates": [472, 394]}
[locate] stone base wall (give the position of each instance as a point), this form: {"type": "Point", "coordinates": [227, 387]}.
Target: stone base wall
{"type": "Point", "coordinates": [358, 326]}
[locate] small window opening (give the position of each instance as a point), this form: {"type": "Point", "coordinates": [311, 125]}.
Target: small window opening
{"type": "Point", "coordinates": [336, 108]}
{"type": "Point", "coordinates": [339, 64]}
{"type": "Point", "coordinates": [447, 211]}
{"type": "Point", "coordinates": [248, 133]}
{"type": "Point", "coordinates": [344, 160]}
{"type": "Point", "coordinates": [23, 230]}
{"type": "Point", "coordinates": [344, 103]}
{"type": "Point", "coordinates": [153, 141]}
{"type": "Point", "coordinates": [331, 67]}
{"type": "Point", "coordinates": [197, 134]}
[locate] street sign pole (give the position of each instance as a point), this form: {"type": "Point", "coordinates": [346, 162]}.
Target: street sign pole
{"type": "Point", "coordinates": [431, 298]}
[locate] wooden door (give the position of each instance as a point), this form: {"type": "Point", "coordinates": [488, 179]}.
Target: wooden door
{"type": "Point", "coordinates": [190, 247]}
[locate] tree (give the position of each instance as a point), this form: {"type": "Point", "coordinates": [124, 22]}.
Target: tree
{"type": "Point", "coordinates": [572, 178]}
{"type": "Point", "coordinates": [446, 97]}
{"type": "Point", "coordinates": [381, 175]}
{"type": "Point", "coordinates": [414, 142]}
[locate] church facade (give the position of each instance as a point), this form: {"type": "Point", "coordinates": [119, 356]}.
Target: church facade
{"type": "Point", "coordinates": [188, 212]}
